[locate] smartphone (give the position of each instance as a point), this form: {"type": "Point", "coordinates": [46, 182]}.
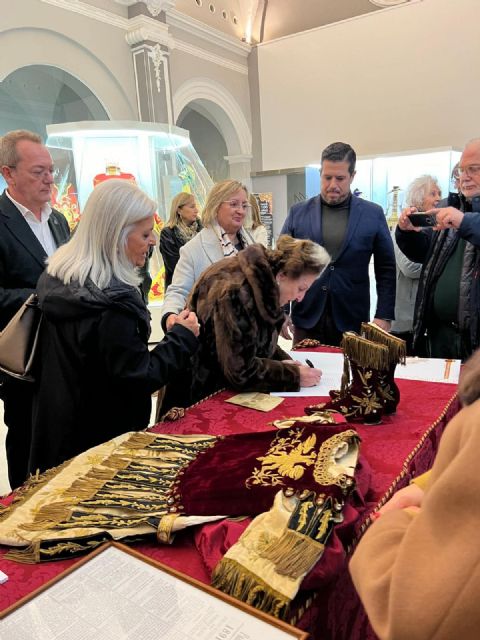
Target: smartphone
{"type": "Point", "coordinates": [423, 219]}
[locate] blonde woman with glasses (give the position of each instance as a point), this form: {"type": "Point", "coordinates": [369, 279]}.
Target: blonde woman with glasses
{"type": "Point", "coordinates": [223, 236]}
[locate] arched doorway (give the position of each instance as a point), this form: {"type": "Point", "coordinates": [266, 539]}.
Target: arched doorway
{"type": "Point", "coordinates": [35, 96]}
{"type": "Point", "coordinates": [202, 102]}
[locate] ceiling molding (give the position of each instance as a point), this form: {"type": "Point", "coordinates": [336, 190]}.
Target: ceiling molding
{"type": "Point", "coordinates": [388, 3]}
{"type": "Point", "coordinates": [212, 36]}
{"type": "Point", "coordinates": [155, 7]}
{"type": "Point", "coordinates": [143, 28]}
{"type": "Point", "coordinates": [180, 45]}
{"type": "Point", "coordinates": [85, 9]}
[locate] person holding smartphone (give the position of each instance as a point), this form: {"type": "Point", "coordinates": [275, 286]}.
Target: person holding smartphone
{"type": "Point", "coordinates": [447, 307]}
{"type": "Point", "coordinates": [423, 194]}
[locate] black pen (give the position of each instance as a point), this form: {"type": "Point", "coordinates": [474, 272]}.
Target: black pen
{"type": "Point", "coordinates": [310, 363]}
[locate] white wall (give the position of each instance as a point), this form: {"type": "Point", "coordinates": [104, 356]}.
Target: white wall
{"type": "Point", "coordinates": [400, 79]}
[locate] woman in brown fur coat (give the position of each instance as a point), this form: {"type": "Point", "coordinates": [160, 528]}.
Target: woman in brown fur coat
{"type": "Point", "coordinates": [239, 302]}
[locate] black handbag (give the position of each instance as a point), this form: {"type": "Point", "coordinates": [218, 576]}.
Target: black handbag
{"type": "Point", "coordinates": [19, 339]}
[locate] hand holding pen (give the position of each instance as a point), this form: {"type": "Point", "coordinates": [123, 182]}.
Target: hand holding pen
{"type": "Point", "coordinates": [309, 375]}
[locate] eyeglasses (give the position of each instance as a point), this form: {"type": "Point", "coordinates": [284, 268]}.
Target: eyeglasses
{"type": "Point", "coordinates": [470, 171]}
{"type": "Point", "coordinates": [235, 204]}
{"type": "Point", "coordinates": [38, 174]}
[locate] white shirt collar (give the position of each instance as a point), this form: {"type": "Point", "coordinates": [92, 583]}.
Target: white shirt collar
{"type": "Point", "coordinates": [27, 213]}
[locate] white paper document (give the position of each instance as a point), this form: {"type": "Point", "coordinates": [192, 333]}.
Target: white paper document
{"type": "Point", "coordinates": [331, 365]}
{"type": "Point", "coordinates": [115, 596]}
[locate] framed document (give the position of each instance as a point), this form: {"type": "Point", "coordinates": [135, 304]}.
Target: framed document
{"type": "Point", "coordinates": [116, 593]}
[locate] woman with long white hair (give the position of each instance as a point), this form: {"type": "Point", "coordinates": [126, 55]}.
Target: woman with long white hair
{"type": "Point", "coordinates": [96, 373]}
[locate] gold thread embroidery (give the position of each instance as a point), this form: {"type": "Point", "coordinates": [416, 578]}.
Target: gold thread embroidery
{"type": "Point", "coordinates": [322, 471]}
{"type": "Point", "coordinates": [287, 457]}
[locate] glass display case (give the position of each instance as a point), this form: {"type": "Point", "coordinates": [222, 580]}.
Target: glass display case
{"type": "Point", "coordinates": [159, 158]}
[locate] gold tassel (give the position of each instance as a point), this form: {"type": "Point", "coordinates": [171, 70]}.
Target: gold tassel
{"type": "Point", "coordinates": [26, 555]}
{"type": "Point", "coordinates": [231, 577]}
{"type": "Point", "coordinates": [139, 440]}
{"type": "Point", "coordinates": [293, 554]}
{"type": "Point", "coordinates": [397, 348]}
{"type": "Point", "coordinates": [364, 352]}
{"type": "Point", "coordinates": [33, 484]}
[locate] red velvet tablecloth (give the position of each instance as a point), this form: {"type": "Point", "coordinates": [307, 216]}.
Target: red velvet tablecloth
{"type": "Point", "coordinates": [397, 450]}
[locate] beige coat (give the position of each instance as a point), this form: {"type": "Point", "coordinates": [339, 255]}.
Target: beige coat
{"type": "Point", "coordinates": [418, 575]}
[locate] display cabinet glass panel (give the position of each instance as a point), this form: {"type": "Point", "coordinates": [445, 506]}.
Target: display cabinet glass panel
{"type": "Point", "coordinates": [159, 158]}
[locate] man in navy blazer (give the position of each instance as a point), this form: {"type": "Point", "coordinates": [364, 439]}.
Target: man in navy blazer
{"type": "Point", "coordinates": [30, 231]}
{"type": "Point", "coordinates": [352, 230]}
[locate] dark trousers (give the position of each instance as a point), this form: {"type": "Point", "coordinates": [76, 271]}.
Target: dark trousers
{"type": "Point", "coordinates": [17, 403]}
{"type": "Point", "coordinates": [325, 331]}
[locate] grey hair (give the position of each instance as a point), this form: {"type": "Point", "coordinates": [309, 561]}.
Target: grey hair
{"type": "Point", "coordinates": [418, 190]}
{"type": "Point", "coordinates": [97, 249]}
{"type": "Point", "coordinates": [8, 145]}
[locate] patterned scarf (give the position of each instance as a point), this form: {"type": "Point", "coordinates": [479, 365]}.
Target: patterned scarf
{"type": "Point", "coordinates": [188, 231]}
{"type": "Point", "coordinates": [228, 248]}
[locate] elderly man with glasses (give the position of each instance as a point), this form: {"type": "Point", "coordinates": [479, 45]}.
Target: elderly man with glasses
{"type": "Point", "coordinates": [446, 320]}
{"type": "Point", "coordinates": [30, 231]}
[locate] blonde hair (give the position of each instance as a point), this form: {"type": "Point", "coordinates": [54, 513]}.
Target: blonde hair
{"type": "Point", "coordinates": [295, 257]}
{"type": "Point", "coordinates": [97, 249]}
{"type": "Point", "coordinates": [180, 200]}
{"type": "Point", "coordinates": [255, 212]}
{"type": "Point", "coordinates": [8, 145]}
{"type": "Point", "coordinates": [220, 192]}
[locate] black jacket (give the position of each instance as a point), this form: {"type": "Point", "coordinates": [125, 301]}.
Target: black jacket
{"type": "Point", "coordinates": [433, 249]}
{"type": "Point", "coordinates": [22, 257]}
{"type": "Point", "coordinates": [96, 374]}
{"type": "Point", "coordinates": [170, 244]}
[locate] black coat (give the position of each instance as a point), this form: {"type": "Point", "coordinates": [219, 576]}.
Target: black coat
{"type": "Point", "coordinates": [22, 257]}
{"type": "Point", "coordinates": [171, 241]}
{"type": "Point", "coordinates": [433, 249]}
{"type": "Point", "coordinates": [22, 261]}
{"type": "Point", "coordinates": [97, 374]}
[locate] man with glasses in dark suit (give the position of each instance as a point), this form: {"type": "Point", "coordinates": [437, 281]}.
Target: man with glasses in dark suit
{"type": "Point", "coordinates": [30, 231]}
{"type": "Point", "coordinates": [447, 308]}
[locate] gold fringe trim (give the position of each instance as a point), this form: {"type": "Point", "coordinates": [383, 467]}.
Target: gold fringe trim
{"type": "Point", "coordinates": [30, 487]}
{"type": "Point", "coordinates": [397, 348]}
{"type": "Point", "coordinates": [293, 554]}
{"type": "Point", "coordinates": [139, 440]}
{"type": "Point", "coordinates": [231, 577]}
{"type": "Point", "coordinates": [365, 353]}
{"type": "Point", "coordinates": [27, 555]}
